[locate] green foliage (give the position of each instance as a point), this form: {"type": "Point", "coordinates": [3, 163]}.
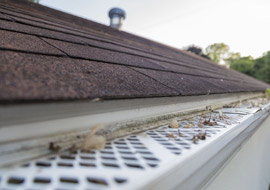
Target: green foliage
{"type": "Point", "coordinates": [268, 92]}
{"type": "Point", "coordinates": [217, 51]}
{"type": "Point", "coordinates": [243, 64]}
{"type": "Point", "coordinates": [262, 67]}
{"type": "Point", "coordinates": [34, 1]}
{"type": "Point", "coordinates": [258, 68]}
{"type": "Point", "coordinates": [232, 57]}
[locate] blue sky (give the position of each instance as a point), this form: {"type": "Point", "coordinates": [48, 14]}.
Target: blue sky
{"type": "Point", "coordinates": [242, 24]}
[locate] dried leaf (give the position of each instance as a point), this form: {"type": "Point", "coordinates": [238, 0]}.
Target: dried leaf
{"type": "Point", "coordinates": [210, 123]}
{"type": "Point", "coordinates": [93, 141]}
{"type": "Point", "coordinates": [174, 124]}
{"type": "Point", "coordinates": [195, 139]}
{"type": "Point", "coordinates": [200, 125]}
{"type": "Point", "coordinates": [202, 136]}
{"type": "Point", "coordinates": [189, 125]}
{"type": "Point", "coordinates": [208, 108]}
{"type": "Point", "coordinates": [53, 147]}
{"type": "Point", "coordinates": [73, 149]}
{"type": "Point", "coordinates": [171, 135]}
{"type": "Point", "coordinates": [179, 133]}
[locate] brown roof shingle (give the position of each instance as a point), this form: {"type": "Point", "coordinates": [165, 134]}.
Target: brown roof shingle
{"type": "Point", "coordinates": [49, 55]}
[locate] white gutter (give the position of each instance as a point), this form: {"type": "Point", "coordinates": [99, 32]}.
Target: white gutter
{"type": "Point", "coordinates": [27, 130]}
{"type": "Point", "coordinates": [204, 164]}
{"type": "Point", "coordinates": [30, 121]}
{"type": "Point", "coordinates": [169, 165]}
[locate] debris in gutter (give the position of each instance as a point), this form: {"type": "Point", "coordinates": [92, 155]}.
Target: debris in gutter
{"type": "Point", "coordinates": [53, 147]}
{"type": "Point", "coordinates": [195, 139]}
{"type": "Point", "coordinates": [208, 108]}
{"type": "Point", "coordinates": [222, 116]}
{"type": "Point", "coordinates": [228, 106]}
{"type": "Point", "coordinates": [206, 119]}
{"type": "Point", "coordinates": [93, 141]}
{"type": "Point", "coordinates": [238, 104]}
{"type": "Point", "coordinates": [73, 149]}
{"type": "Point", "coordinates": [189, 125]}
{"type": "Point", "coordinates": [202, 136]}
{"type": "Point", "coordinates": [209, 122]}
{"type": "Point", "coordinates": [171, 135]}
{"type": "Point", "coordinates": [174, 124]}
{"type": "Point", "coordinates": [200, 125]}
{"type": "Point", "coordinates": [179, 133]}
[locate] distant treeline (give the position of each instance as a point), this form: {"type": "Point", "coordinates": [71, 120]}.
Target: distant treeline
{"type": "Point", "coordinates": [219, 52]}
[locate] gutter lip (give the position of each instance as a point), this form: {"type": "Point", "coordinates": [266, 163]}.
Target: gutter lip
{"type": "Point", "coordinates": [104, 105]}
{"type": "Point", "coordinates": [212, 158]}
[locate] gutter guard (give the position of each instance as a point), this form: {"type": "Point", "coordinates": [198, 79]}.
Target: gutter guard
{"type": "Point", "coordinates": [155, 159]}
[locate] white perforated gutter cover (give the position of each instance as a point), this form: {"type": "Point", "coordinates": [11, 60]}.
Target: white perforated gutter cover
{"type": "Point", "coordinates": [155, 159]}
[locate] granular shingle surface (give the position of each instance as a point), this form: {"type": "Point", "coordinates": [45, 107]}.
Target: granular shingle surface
{"type": "Point", "coordinates": [48, 55]}
{"type": "Point", "coordinates": [28, 43]}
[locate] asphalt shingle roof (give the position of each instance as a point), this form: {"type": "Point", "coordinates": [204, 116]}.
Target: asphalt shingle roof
{"type": "Point", "coordinates": [49, 55]}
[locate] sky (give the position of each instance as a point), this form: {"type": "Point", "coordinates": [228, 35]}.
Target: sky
{"type": "Point", "coordinates": [244, 25]}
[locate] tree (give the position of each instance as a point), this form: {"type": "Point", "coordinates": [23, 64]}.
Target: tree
{"type": "Point", "coordinates": [262, 67]}
{"type": "Point", "coordinates": [258, 68]}
{"type": "Point", "coordinates": [34, 1]}
{"type": "Point", "coordinates": [243, 64]}
{"type": "Point", "coordinates": [196, 50]}
{"type": "Point", "coordinates": [232, 57]}
{"type": "Point", "coordinates": [217, 51]}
